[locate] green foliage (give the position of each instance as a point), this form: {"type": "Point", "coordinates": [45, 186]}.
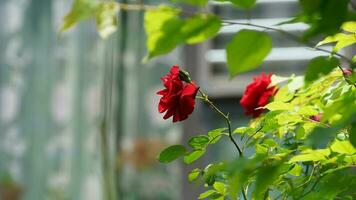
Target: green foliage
{"type": "Point", "coordinates": [342, 40]}
{"type": "Point", "coordinates": [106, 18]}
{"type": "Point", "coordinates": [171, 153]}
{"type": "Point", "coordinates": [247, 50]}
{"type": "Point", "coordinates": [323, 16]}
{"type": "Point", "coordinates": [193, 175]}
{"type": "Point", "coordinates": [193, 156]}
{"type": "Point", "coordinates": [287, 157]}
{"type": "Point", "coordinates": [165, 29]}
{"type": "Point", "coordinates": [81, 10]}
{"type": "Point", "coordinates": [320, 66]}
{"type": "Point", "coordinates": [162, 28]}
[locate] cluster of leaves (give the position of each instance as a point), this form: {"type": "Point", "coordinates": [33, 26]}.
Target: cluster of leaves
{"type": "Point", "coordinates": [293, 155]}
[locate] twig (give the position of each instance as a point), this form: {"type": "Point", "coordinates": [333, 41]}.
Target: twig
{"type": "Point", "coordinates": [225, 116]}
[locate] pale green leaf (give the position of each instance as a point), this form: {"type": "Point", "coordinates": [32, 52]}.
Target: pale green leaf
{"type": "Point", "coordinates": [162, 27]}
{"type": "Point", "coordinates": [349, 26]}
{"type": "Point", "coordinates": [81, 10]}
{"type": "Point", "coordinates": [247, 50]}
{"type": "Point", "coordinates": [171, 153]}
{"type": "Point", "coordinates": [311, 155]}
{"type": "Point", "coordinates": [343, 147]}
{"type": "Point", "coordinates": [296, 170]}
{"type": "Point", "coordinates": [193, 175]}
{"type": "Point", "coordinates": [243, 130]}
{"type": "Point", "coordinates": [342, 40]}
{"type": "Point", "coordinates": [193, 156]}
{"type": "Point", "coordinates": [283, 95]}
{"type": "Point", "coordinates": [278, 105]}
{"type": "Point", "coordinates": [275, 80]}
{"type": "Point", "coordinates": [308, 110]}
{"type": "Point", "coordinates": [206, 194]}
{"type": "Point", "coordinates": [331, 39]}
{"type": "Point", "coordinates": [295, 84]}
{"type": "Point", "coordinates": [215, 135]}
{"type": "Point", "coordinates": [220, 187]}
{"type": "Point", "coordinates": [106, 18]}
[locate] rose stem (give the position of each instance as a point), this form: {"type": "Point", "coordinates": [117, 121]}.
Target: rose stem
{"type": "Point", "coordinates": [225, 116]}
{"type": "Point", "coordinates": [205, 98]}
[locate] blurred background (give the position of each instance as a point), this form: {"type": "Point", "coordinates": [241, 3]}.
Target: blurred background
{"type": "Point", "coordinates": [78, 115]}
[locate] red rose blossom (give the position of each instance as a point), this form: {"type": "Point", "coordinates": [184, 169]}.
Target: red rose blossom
{"type": "Point", "coordinates": [178, 97]}
{"type": "Point", "coordinates": [257, 94]}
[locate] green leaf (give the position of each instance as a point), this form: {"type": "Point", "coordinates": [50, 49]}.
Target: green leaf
{"type": "Point", "coordinates": [165, 29]}
{"type": "Point", "coordinates": [349, 26]}
{"type": "Point", "coordinates": [283, 95]}
{"type": "Point", "coordinates": [206, 194]}
{"type": "Point", "coordinates": [214, 135]}
{"type": "Point", "coordinates": [247, 50]}
{"type": "Point", "coordinates": [342, 40]}
{"type": "Point", "coordinates": [106, 18]}
{"type": "Point", "coordinates": [193, 156]}
{"type": "Point", "coordinates": [199, 28]}
{"type": "Point", "coordinates": [220, 187]}
{"type": "Point", "coordinates": [171, 153]}
{"type": "Point", "coordinates": [296, 170]}
{"type": "Point", "coordinates": [199, 142]}
{"type": "Point", "coordinates": [311, 155]}
{"type": "Point", "coordinates": [275, 80]}
{"type": "Point", "coordinates": [295, 84]}
{"type": "Point", "coordinates": [243, 130]}
{"type": "Point", "coordinates": [266, 175]}
{"type": "Point", "coordinates": [278, 105]}
{"type": "Point", "coordinates": [192, 2]}
{"type": "Point", "coordinates": [307, 111]}
{"type": "Point", "coordinates": [81, 10]}
{"type": "Point", "coordinates": [320, 66]}
{"type": "Point", "coordinates": [193, 175]}
{"type": "Point", "coordinates": [343, 147]}
{"type": "Point", "coordinates": [162, 27]}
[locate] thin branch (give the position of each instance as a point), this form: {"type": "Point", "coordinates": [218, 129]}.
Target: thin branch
{"type": "Point", "coordinates": [290, 36]}
{"type": "Point", "coordinates": [225, 116]}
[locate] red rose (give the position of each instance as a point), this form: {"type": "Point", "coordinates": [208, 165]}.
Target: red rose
{"type": "Point", "coordinates": [257, 95]}
{"type": "Point", "coordinates": [178, 97]}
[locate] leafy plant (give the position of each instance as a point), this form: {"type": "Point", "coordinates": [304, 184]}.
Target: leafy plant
{"type": "Point", "coordinates": [302, 146]}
